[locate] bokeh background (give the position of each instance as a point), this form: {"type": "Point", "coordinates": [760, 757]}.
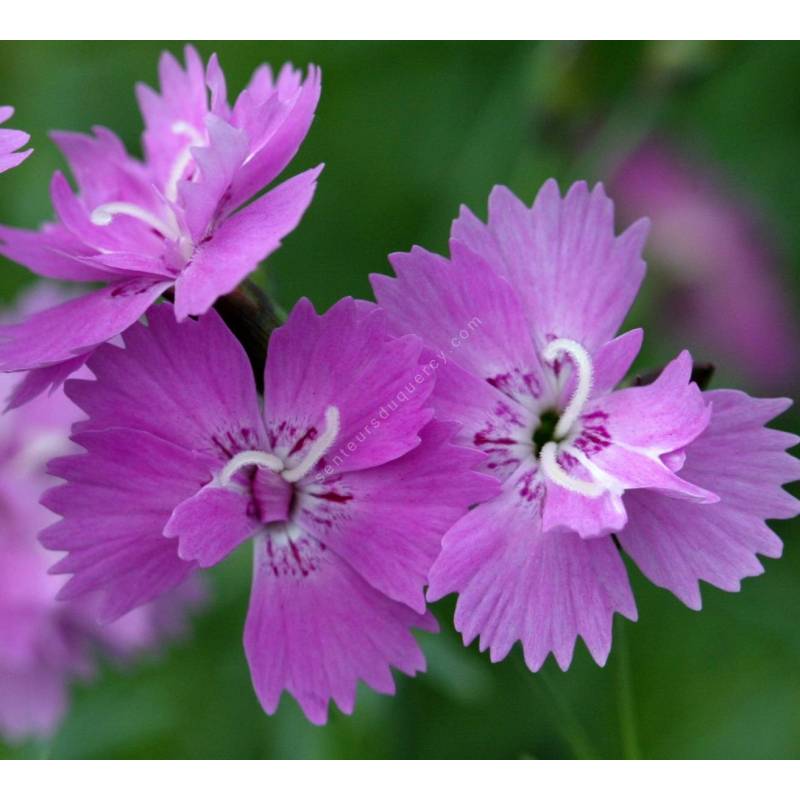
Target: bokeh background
{"type": "Point", "coordinates": [702, 137]}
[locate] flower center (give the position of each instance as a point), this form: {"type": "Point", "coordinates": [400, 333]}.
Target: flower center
{"type": "Point", "coordinates": [584, 375]}
{"type": "Point", "coordinates": [555, 432]}
{"type": "Point", "coordinates": [183, 159]}
{"type": "Point", "coordinates": [270, 461]}
{"type": "Point", "coordinates": [546, 430]}
{"type": "Point", "coordinates": [168, 226]}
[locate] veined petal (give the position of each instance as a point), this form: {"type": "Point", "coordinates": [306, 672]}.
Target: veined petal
{"type": "Point", "coordinates": [590, 517]}
{"type": "Point", "coordinates": [273, 149]}
{"type": "Point", "coordinates": [575, 277]}
{"type": "Point", "coordinates": [517, 582]}
{"type": "Point", "coordinates": [466, 312]}
{"type": "Point", "coordinates": [183, 102]}
{"type": "Point", "coordinates": [375, 383]}
{"type": "Point", "coordinates": [119, 496]}
{"type": "Point", "coordinates": [43, 379]}
{"type": "Point", "coordinates": [103, 170]}
{"type": "Point", "coordinates": [188, 383]}
{"type": "Point", "coordinates": [75, 327]}
{"type": "Point", "coordinates": [613, 360]}
{"type": "Point", "coordinates": [215, 80]}
{"type": "Point", "coordinates": [123, 264]}
{"type": "Point", "coordinates": [52, 252]}
{"type": "Point", "coordinates": [661, 417]}
{"type": "Point", "coordinates": [218, 162]}
{"type": "Point", "coordinates": [235, 249]}
{"type": "Point", "coordinates": [315, 628]}
{"type": "Point", "coordinates": [626, 435]}
{"type": "Point", "coordinates": [124, 233]}
{"type": "Point", "coordinates": [210, 525]}
{"type": "Point", "coordinates": [677, 544]}
{"type": "Point", "coordinates": [488, 418]}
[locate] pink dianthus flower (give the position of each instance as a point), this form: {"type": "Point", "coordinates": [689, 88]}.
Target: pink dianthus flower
{"type": "Point", "coordinates": [343, 486]}
{"type": "Point", "coordinates": [683, 479]}
{"type": "Point", "coordinates": [176, 221]}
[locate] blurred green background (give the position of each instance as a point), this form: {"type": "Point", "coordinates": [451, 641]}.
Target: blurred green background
{"type": "Point", "coordinates": [408, 132]}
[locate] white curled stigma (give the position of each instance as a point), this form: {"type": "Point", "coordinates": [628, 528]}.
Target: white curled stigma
{"type": "Point", "coordinates": [105, 213]}
{"type": "Point", "coordinates": [259, 458]}
{"type": "Point", "coordinates": [584, 375]}
{"type": "Point", "coordinates": [182, 128]}
{"type": "Point", "coordinates": [318, 448]}
{"type": "Point", "coordinates": [249, 458]}
{"type": "Point", "coordinates": [548, 456]}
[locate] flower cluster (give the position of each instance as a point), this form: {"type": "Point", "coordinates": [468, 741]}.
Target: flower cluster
{"type": "Point", "coordinates": [470, 433]}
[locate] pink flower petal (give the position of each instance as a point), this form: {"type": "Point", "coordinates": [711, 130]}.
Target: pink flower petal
{"type": "Point", "coordinates": [194, 374]}
{"type": "Point", "coordinates": [278, 148]}
{"type": "Point", "coordinates": [119, 496]}
{"type": "Point", "coordinates": [613, 360]}
{"type": "Point", "coordinates": [210, 525]}
{"type": "Point", "coordinates": [11, 140]}
{"type": "Point", "coordinates": [235, 249]}
{"type": "Point", "coordinates": [677, 544]}
{"type": "Point", "coordinates": [517, 582]}
{"type": "Point", "coordinates": [315, 628]}
{"type": "Point", "coordinates": [218, 163]}
{"type": "Point", "coordinates": [44, 379]}
{"type": "Point", "coordinates": [73, 328]}
{"type": "Point", "coordinates": [52, 252]}
{"type": "Point", "coordinates": [466, 312]}
{"type": "Point", "coordinates": [575, 278]}
{"type": "Point", "coordinates": [315, 362]}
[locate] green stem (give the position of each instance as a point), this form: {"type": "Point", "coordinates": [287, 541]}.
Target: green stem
{"type": "Point", "coordinates": [626, 706]}
{"type": "Point", "coordinates": [570, 726]}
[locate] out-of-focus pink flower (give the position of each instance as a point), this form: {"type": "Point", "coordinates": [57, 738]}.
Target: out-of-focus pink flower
{"type": "Point", "coordinates": [10, 142]}
{"type": "Point", "coordinates": [44, 643]}
{"type": "Point", "coordinates": [726, 296]}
